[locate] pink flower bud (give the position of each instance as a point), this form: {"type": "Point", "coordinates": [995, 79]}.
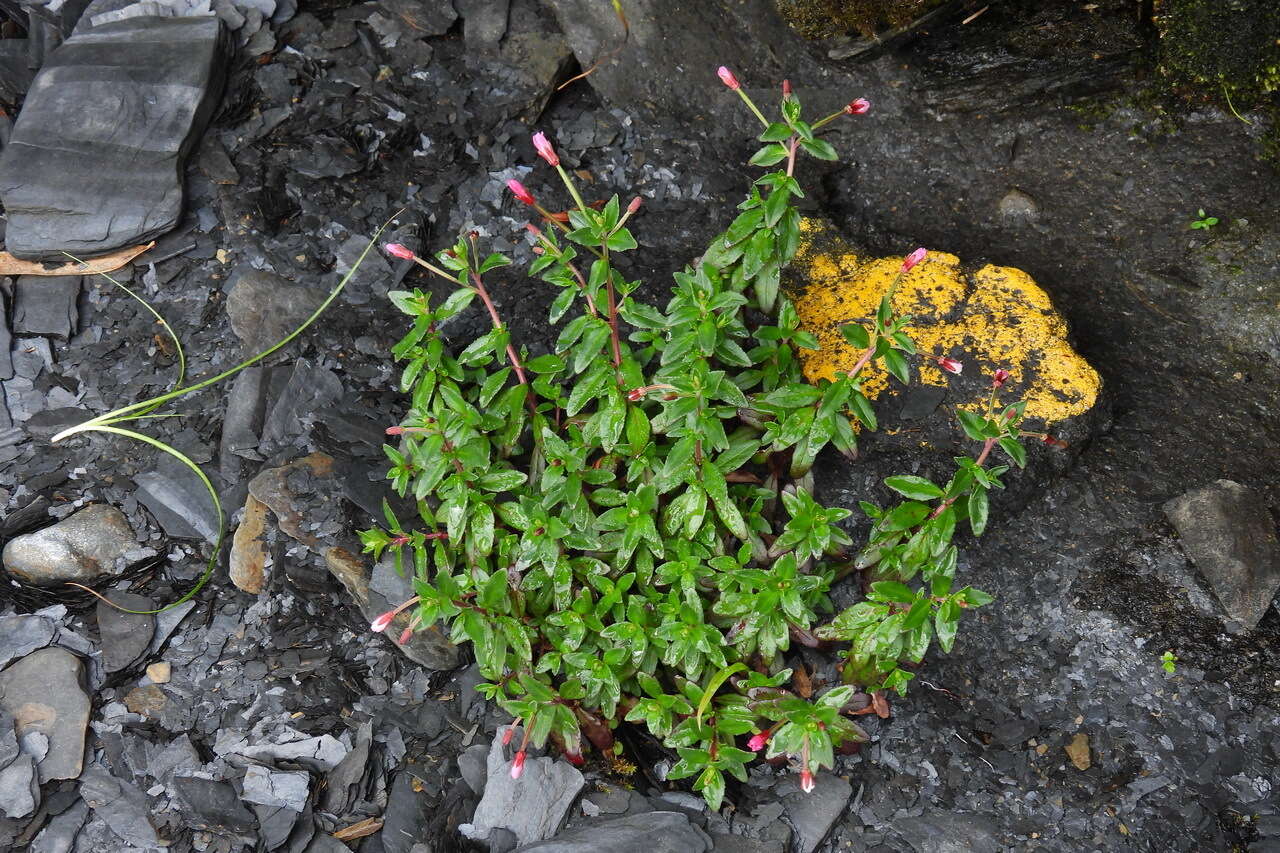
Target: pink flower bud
{"type": "Point", "coordinates": [857, 107]}
{"type": "Point", "coordinates": [806, 781]}
{"type": "Point", "coordinates": [396, 250]}
{"type": "Point", "coordinates": [517, 766]}
{"type": "Point", "coordinates": [786, 89]}
{"type": "Point", "coordinates": [635, 205]}
{"type": "Point", "coordinates": [406, 635]}
{"type": "Point", "coordinates": [1000, 377]}
{"type": "Point", "coordinates": [521, 194]}
{"type": "Point", "coordinates": [575, 758]}
{"type": "Point", "coordinates": [380, 624]}
{"type": "Point", "coordinates": [395, 430]}
{"type": "Point", "coordinates": [400, 541]}
{"type": "Point", "coordinates": [544, 149]}
{"type": "Point", "coordinates": [758, 742]}
{"type": "Point", "coordinates": [950, 365]}
{"type": "Point", "coordinates": [727, 78]}
{"type": "Point", "coordinates": [914, 258]}
{"type": "Point", "coordinates": [507, 734]}
{"type": "Point", "coordinates": [635, 395]}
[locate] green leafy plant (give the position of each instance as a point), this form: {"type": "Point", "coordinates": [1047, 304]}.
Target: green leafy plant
{"type": "Point", "coordinates": [1202, 221]}
{"type": "Point", "coordinates": [625, 529]}
{"type": "Point", "coordinates": [1169, 661]}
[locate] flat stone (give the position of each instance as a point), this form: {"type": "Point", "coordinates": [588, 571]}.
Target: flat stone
{"type": "Point", "coordinates": [473, 765]}
{"type": "Point", "coordinates": [533, 806]}
{"type": "Point", "coordinates": [652, 832]}
{"type": "Point", "coordinates": [120, 805]}
{"type": "Point", "coordinates": [43, 693]}
{"type": "Point", "coordinates": [813, 814]}
{"type": "Point", "coordinates": [406, 813]}
{"type": "Point", "coordinates": [148, 700]}
{"type": "Point", "coordinates": [125, 636]}
{"type": "Point", "coordinates": [1228, 533]}
{"type": "Point", "coordinates": [46, 305]}
{"type": "Point", "coordinates": [213, 805]}
{"type": "Point", "coordinates": [59, 834]}
{"type": "Point", "coordinates": [19, 787]}
{"type": "Point", "coordinates": [96, 159]}
{"type": "Point", "coordinates": [742, 844]}
{"type": "Point", "coordinates": [178, 500]}
{"type": "Point", "coordinates": [281, 789]}
{"type": "Point", "coordinates": [248, 558]}
{"type": "Point", "coordinates": [81, 547]}
{"type": "Point", "coordinates": [265, 308]}
{"type": "Point", "coordinates": [310, 389]}
{"type": "Point", "coordinates": [944, 832]}
{"type": "Point", "coordinates": [8, 739]}
{"type": "Point", "coordinates": [20, 635]}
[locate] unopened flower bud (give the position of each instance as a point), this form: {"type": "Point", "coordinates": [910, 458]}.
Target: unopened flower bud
{"type": "Point", "coordinates": [1000, 377]}
{"type": "Point", "coordinates": [406, 635]}
{"type": "Point", "coordinates": [544, 149]}
{"type": "Point", "coordinates": [507, 734]}
{"type": "Point", "coordinates": [517, 766]}
{"type": "Point", "coordinates": [857, 107]}
{"type": "Point", "coordinates": [914, 258]}
{"type": "Point", "coordinates": [727, 78]}
{"type": "Point", "coordinates": [950, 364]}
{"type": "Point", "coordinates": [635, 205]}
{"type": "Point", "coordinates": [395, 430]}
{"type": "Point", "coordinates": [806, 780]}
{"type": "Point", "coordinates": [575, 758]}
{"type": "Point", "coordinates": [396, 250]}
{"type": "Point", "coordinates": [380, 624]}
{"type": "Point", "coordinates": [758, 742]}
{"type": "Point", "coordinates": [635, 395]}
{"type": "Point", "coordinates": [786, 89]}
{"type": "Point", "coordinates": [518, 190]}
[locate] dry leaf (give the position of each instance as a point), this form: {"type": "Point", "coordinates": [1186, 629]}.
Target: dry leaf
{"type": "Point", "coordinates": [881, 704]}
{"type": "Point", "coordinates": [368, 826]}
{"type": "Point", "coordinates": [800, 678]}
{"type": "Point", "coordinates": [9, 265]}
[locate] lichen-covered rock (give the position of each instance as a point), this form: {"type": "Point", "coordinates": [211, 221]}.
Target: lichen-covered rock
{"type": "Point", "coordinates": [986, 318]}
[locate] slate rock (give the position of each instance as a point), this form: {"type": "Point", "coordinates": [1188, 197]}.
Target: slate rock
{"type": "Point", "coordinates": [274, 825]}
{"type": "Point", "coordinates": [473, 765]}
{"type": "Point", "coordinates": [212, 805]}
{"type": "Point", "coordinates": [120, 805]}
{"type": "Point", "coordinates": [43, 693]}
{"type": "Point", "coordinates": [59, 834]}
{"type": "Point", "coordinates": [281, 789]}
{"type": "Point", "coordinates": [945, 832]}
{"type": "Point", "coordinates": [742, 844]}
{"type": "Point", "coordinates": [83, 546]}
{"type": "Point", "coordinates": [97, 155]}
{"type": "Point", "coordinates": [125, 636]}
{"type": "Point", "coordinates": [1228, 533]}
{"type": "Point", "coordinates": [533, 806]}
{"type": "Point", "coordinates": [179, 501]}
{"type": "Point", "coordinates": [19, 787]}
{"type": "Point", "coordinates": [406, 813]}
{"type": "Point", "coordinates": [265, 308]}
{"type": "Point", "coordinates": [8, 739]}
{"type": "Point", "coordinates": [46, 305]}
{"type": "Point", "coordinates": [652, 832]}
{"type": "Point", "coordinates": [21, 635]}
{"type": "Point", "coordinates": [813, 814]}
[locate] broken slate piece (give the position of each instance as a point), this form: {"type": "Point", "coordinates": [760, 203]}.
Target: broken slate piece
{"type": "Point", "coordinates": [19, 787]}
{"type": "Point", "coordinates": [265, 308]}
{"type": "Point", "coordinates": [1228, 533]}
{"type": "Point", "coordinates": [286, 790]}
{"type": "Point", "coordinates": [120, 805]}
{"type": "Point", "coordinates": [46, 305]}
{"type": "Point", "coordinates": [179, 501]}
{"type": "Point", "coordinates": [43, 693]}
{"type": "Point", "coordinates": [21, 635]}
{"type": "Point", "coordinates": [310, 389]}
{"type": "Point", "coordinates": [213, 805]}
{"type": "Point", "coordinates": [652, 832]}
{"type": "Point", "coordinates": [96, 159]}
{"type": "Point", "coordinates": [533, 806]}
{"type": "Point", "coordinates": [59, 835]}
{"type": "Point", "coordinates": [406, 813]}
{"type": "Point", "coordinates": [81, 547]}
{"type": "Point", "coordinates": [125, 636]}
{"type": "Point", "coordinates": [813, 814]}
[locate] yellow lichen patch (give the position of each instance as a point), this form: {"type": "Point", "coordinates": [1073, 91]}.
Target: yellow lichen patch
{"type": "Point", "coordinates": [995, 317]}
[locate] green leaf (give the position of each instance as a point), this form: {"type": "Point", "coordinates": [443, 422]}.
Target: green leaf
{"type": "Point", "coordinates": [621, 241]}
{"type": "Point", "coordinates": [978, 510]}
{"type": "Point", "coordinates": [501, 481]}
{"type": "Point", "coordinates": [494, 592]}
{"type": "Point", "coordinates": [779, 132]}
{"type": "Point", "coordinates": [548, 363]}
{"type": "Point", "coordinates": [1015, 451]}
{"type": "Point", "coordinates": [974, 426]}
{"type": "Point", "coordinates": [717, 489]}
{"type": "Point", "coordinates": [714, 684]}
{"type": "Point", "coordinates": [916, 488]}
{"type": "Point", "coordinates": [896, 364]}
{"type": "Point", "coordinates": [894, 591]}
{"type": "Point", "coordinates": [820, 148]}
{"type": "Point", "coordinates": [856, 335]}
{"type": "Point", "coordinates": [862, 408]}
{"type": "Point", "coordinates": [768, 155]}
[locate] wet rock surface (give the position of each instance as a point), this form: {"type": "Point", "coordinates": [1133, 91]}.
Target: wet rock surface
{"type": "Point", "coordinates": [81, 548]}
{"type": "Point", "coordinates": [344, 114]}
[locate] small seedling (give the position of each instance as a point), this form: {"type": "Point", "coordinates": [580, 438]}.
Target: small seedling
{"type": "Point", "coordinates": [1204, 222]}
{"type": "Point", "coordinates": [1169, 661]}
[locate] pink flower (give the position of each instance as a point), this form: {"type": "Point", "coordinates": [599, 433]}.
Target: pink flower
{"type": "Point", "coordinates": [1000, 377]}
{"type": "Point", "coordinates": [517, 766]}
{"type": "Point", "coordinates": [380, 624]}
{"type": "Point", "coordinates": [914, 258]}
{"type": "Point", "coordinates": [508, 733]}
{"type": "Point", "coordinates": [406, 635]}
{"type": "Point", "coordinates": [635, 395]}
{"type": "Point", "coordinates": [857, 107]}
{"type": "Point", "coordinates": [758, 741]}
{"type": "Point", "coordinates": [635, 205]}
{"type": "Point", "coordinates": [727, 78]}
{"type": "Point", "coordinates": [575, 758]}
{"type": "Point", "coordinates": [544, 149]}
{"type": "Point", "coordinates": [396, 250]}
{"type": "Point", "coordinates": [950, 365]}
{"type": "Point", "coordinates": [806, 781]}
{"type": "Point", "coordinates": [521, 194]}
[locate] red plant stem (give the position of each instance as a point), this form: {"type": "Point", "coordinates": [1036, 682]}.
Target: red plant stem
{"type": "Point", "coordinates": [497, 324]}
{"type": "Point", "coordinates": [613, 315]}
{"type": "Point", "coordinates": [862, 361]}
{"type": "Point", "coordinates": [982, 457]}
{"type": "Point", "coordinates": [791, 156]}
